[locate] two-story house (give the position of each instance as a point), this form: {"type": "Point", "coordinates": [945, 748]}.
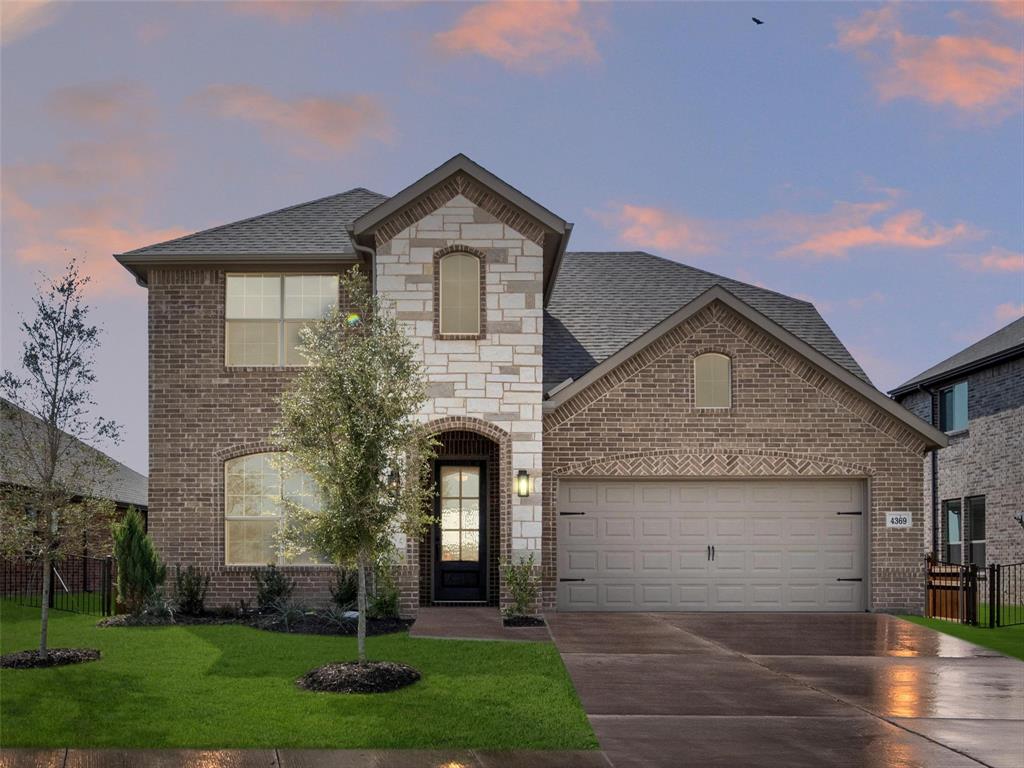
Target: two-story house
{"type": "Point", "coordinates": [974, 488]}
{"type": "Point", "coordinates": [658, 437]}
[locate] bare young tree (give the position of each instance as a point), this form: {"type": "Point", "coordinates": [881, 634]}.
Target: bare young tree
{"type": "Point", "coordinates": [51, 499]}
{"type": "Point", "coordinates": [349, 422]}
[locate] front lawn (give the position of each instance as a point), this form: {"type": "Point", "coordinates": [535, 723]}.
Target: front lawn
{"type": "Point", "coordinates": [233, 686]}
{"type": "Point", "coordinates": [1008, 640]}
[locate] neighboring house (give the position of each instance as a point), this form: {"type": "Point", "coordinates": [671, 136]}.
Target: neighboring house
{"type": "Point", "coordinates": [974, 488]}
{"type": "Point", "coordinates": [122, 485]}
{"type": "Point", "coordinates": [658, 437]}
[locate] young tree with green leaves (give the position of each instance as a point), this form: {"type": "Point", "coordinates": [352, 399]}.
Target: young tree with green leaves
{"type": "Point", "coordinates": [349, 422]}
{"type": "Point", "coordinates": [53, 497]}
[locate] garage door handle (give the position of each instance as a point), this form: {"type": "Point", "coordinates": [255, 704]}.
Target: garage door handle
{"type": "Point", "coordinates": [849, 579]}
{"type": "Point", "coordinates": [709, 552]}
{"type": "Point", "coordinates": [572, 579]}
{"type": "Point", "coordinates": [570, 514]}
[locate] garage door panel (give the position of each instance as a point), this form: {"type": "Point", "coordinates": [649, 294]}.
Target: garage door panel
{"type": "Point", "coordinates": [779, 545]}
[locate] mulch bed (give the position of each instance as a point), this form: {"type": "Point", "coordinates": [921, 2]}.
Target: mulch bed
{"type": "Point", "coordinates": [319, 624]}
{"type": "Point", "coordinates": [312, 623]}
{"type": "Point", "coordinates": [523, 621]}
{"type": "Point", "coordinates": [55, 657]}
{"type": "Point", "coordinates": [353, 677]}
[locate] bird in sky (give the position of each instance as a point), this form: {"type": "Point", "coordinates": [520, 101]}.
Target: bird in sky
{"type": "Point", "coordinates": [756, 20]}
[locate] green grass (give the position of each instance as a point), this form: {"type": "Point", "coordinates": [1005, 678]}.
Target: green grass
{"type": "Point", "coordinates": [1008, 640]}
{"type": "Point", "coordinates": [233, 686]}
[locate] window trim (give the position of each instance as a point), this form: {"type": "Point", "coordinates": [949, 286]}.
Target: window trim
{"type": "Point", "coordinates": [281, 320]}
{"type": "Point", "coordinates": [481, 258]}
{"type": "Point", "coordinates": [967, 415]}
{"type": "Point", "coordinates": [280, 562]}
{"type": "Point", "coordinates": [728, 359]}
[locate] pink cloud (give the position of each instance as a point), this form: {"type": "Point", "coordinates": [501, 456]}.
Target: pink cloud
{"type": "Point", "coordinates": [1008, 312]}
{"type": "Point", "coordinates": [121, 103]}
{"type": "Point", "coordinates": [997, 259]}
{"type": "Point", "coordinates": [149, 32]}
{"type": "Point", "coordinates": [647, 227]}
{"type": "Point", "coordinates": [1009, 9]}
{"type": "Point", "coordinates": [901, 230]}
{"type": "Point", "coordinates": [338, 123]}
{"type": "Point", "coordinates": [527, 36]}
{"type": "Point", "coordinates": [976, 75]}
{"type": "Point", "coordinates": [45, 236]}
{"type": "Point", "coordinates": [20, 18]}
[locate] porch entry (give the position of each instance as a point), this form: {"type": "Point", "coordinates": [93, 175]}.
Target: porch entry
{"type": "Point", "coordinates": [460, 533]}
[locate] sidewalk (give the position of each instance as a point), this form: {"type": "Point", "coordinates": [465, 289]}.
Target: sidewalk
{"type": "Point", "coordinates": [296, 758]}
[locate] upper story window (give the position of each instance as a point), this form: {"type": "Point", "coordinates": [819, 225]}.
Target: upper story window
{"type": "Point", "coordinates": [264, 313]}
{"type": "Point", "coordinates": [953, 407]}
{"type": "Point", "coordinates": [254, 492]}
{"type": "Point", "coordinates": [459, 294]}
{"type": "Point", "coordinates": [712, 381]}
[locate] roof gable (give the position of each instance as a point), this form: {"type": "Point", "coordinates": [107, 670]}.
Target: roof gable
{"type": "Point", "coordinates": [717, 293]}
{"type": "Point", "coordinates": [1005, 343]}
{"type": "Point", "coordinates": [603, 301]}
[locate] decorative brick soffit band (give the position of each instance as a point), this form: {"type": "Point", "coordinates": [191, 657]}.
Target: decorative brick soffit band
{"type": "Point", "coordinates": [461, 184]}
{"type": "Point", "coordinates": [700, 464]}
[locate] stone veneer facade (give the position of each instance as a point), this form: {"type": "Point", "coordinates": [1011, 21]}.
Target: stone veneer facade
{"type": "Point", "coordinates": [788, 419]}
{"type": "Point", "coordinates": [490, 384]}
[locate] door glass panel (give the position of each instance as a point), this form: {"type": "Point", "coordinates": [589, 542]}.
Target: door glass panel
{"type": "Point", "coordinates": [460, 514]}
{"type": "Point", "coordinates": [449, 545]}
{"type": "Point", "coordinates": [450, 483]}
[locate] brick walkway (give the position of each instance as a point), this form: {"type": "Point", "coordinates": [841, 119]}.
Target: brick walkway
{"type": "Point", "coordinates": [295, 758]}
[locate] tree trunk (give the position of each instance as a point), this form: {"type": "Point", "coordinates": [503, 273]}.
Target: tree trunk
{"type": "Point", "coordinates": [361, 605]}
{"type": "Point", "coordinates": [44, 613]}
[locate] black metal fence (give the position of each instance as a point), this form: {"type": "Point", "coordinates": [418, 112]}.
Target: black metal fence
{"type": "Point", "coordinates": [79, 583]}
{"type": "Point", "coordinates": [982, 596]}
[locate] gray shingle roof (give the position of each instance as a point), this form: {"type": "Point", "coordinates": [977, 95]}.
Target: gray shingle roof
{"type": "Point", "coordinates": [1006, 341]}
{"type": "Point", "coordinates": [603, 301]}
{"type": "Point", "coordinates": [318, 226]}
{"type": "Point", "coordinates": [123, 484]}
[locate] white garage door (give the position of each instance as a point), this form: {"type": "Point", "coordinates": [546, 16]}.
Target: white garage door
{"type": "Point", "coordinates": [757, 545]}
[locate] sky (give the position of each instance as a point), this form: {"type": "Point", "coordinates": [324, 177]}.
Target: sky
{"type": "Point", "coordinates": [866, 157]}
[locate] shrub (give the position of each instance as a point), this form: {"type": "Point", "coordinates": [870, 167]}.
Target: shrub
{"type": "Point", "coordinates": [139, 570]}
{"type": "Point", "coordinates": [287, 613]}
{"type": "Point", "coordinates": [335, 616]}
{"type": "Point", "coordinates": [190, 588]}
{"type": "Point", "coordinates": [272, 586]}
{"type": "Point", "coordinates": [345, 590]}
{"type": "Point", "coordinates": [383, 603]}
{"type": "Point", "coordinates": [523, 586]}
{"type": "Point", "coordinates": [158, 606]}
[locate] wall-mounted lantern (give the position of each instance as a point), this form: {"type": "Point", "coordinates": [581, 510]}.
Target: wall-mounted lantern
{"type": "Point", "coordinates": [523, 483]}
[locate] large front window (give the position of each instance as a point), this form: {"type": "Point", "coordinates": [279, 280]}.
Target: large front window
{"type": "Point", "coordinates": [254, 491]}
{"type": "Point", "coordinates": [264, 314]}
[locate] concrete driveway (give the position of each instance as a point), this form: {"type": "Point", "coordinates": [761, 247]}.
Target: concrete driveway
{"type": "Point", "coordinates": [791, 690]}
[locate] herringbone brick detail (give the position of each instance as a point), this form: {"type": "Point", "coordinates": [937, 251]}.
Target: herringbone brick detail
{"type": "Point", "coordinates": [693, 464]}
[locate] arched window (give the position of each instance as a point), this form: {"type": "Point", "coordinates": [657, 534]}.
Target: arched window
{"type": "Point", "coordinates": [712, 381]}
{"type": "Point", "coordinates": [254, 491]}
{"type": "Point", "coordinates": [459, 294]}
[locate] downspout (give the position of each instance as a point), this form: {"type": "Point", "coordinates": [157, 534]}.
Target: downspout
{"type": "Point", "coordinates": [371, 258]}
{"type": "Point", "coordinates": [932, 410]}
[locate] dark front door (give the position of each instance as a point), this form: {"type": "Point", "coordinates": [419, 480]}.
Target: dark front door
{"type": "Point", "coordinates": [460, 550]}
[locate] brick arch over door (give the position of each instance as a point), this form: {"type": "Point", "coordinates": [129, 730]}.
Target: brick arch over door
{"type": "Point", "coordinates": [503, 441]}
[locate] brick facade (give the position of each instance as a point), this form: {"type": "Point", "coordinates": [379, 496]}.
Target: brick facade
{"type": "Point", "coordinates": [986, 459]}
{"type": "Point", "coordinates": [202, 413]}
{"type": "Point", "coordinates": [787, 419]}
